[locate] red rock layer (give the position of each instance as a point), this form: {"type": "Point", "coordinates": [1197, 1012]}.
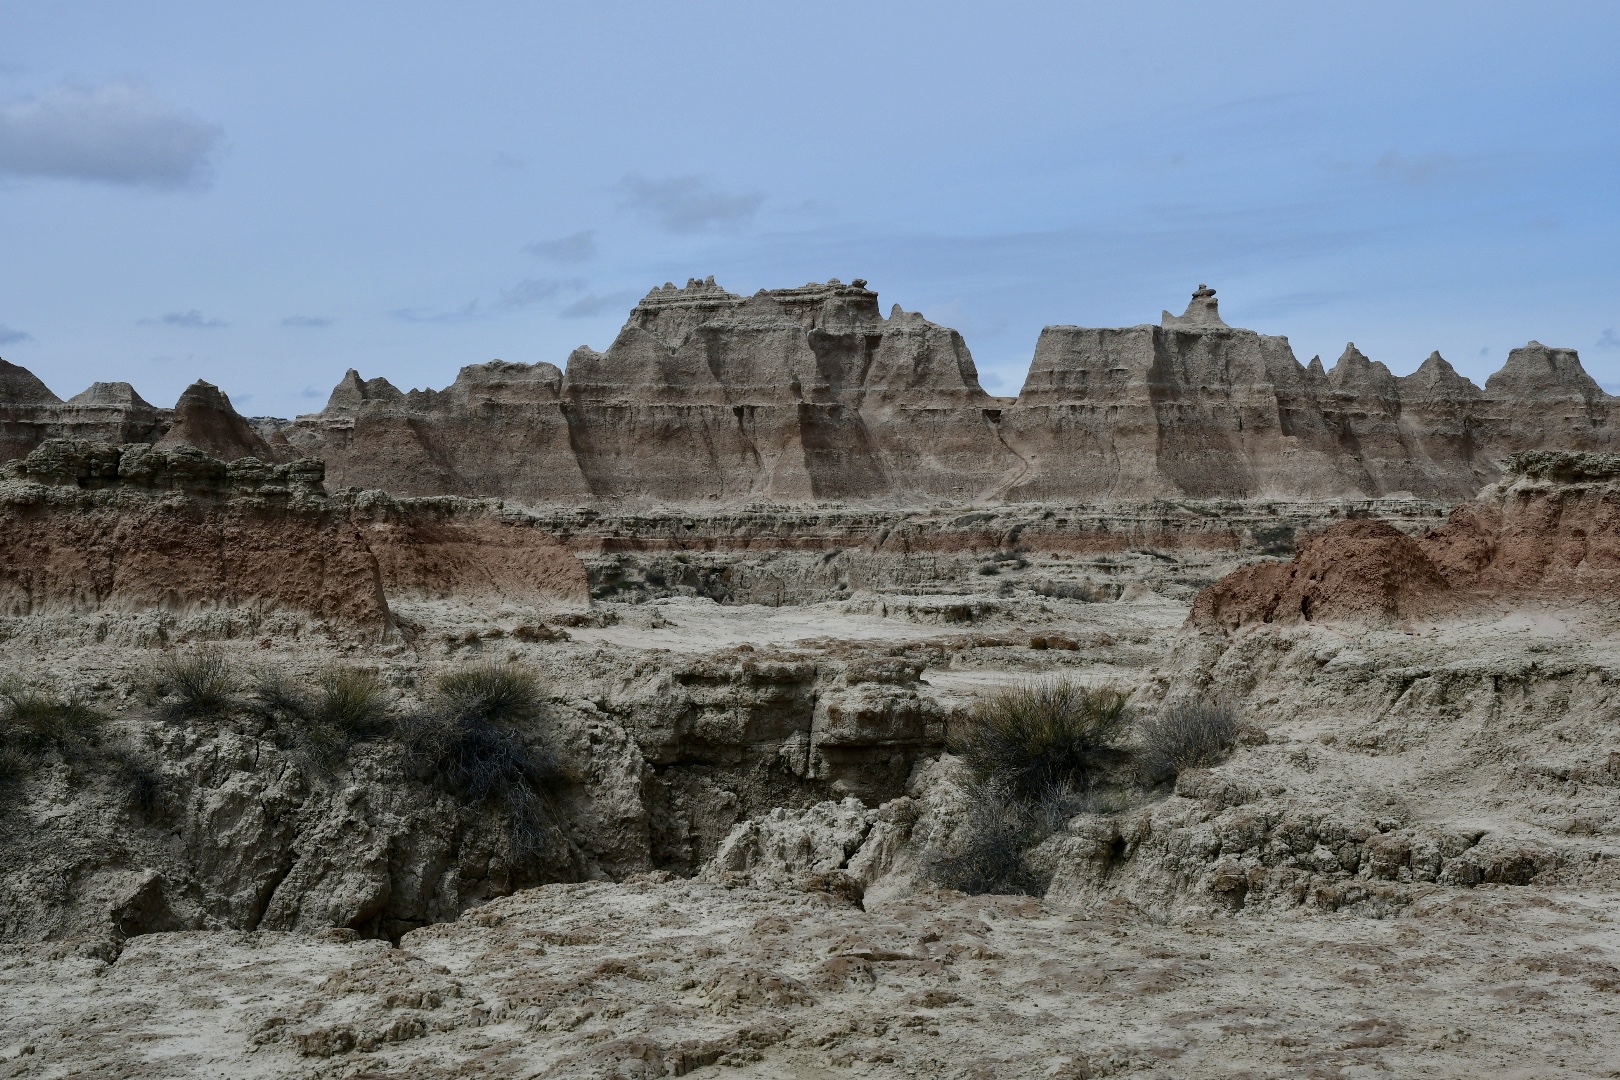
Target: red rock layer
{"type": "Point", "coordinates": [175, 529]}
{"type": "Point", "coordinates": [1550, 530]}
{"type": "Point", "coordinates": [1357, 570]}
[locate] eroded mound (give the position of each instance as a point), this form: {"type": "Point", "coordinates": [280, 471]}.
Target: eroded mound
{"type": "Point", "coordinates": [1549, 531]}
{"type": "Point", "coordinates": [1355, 570]}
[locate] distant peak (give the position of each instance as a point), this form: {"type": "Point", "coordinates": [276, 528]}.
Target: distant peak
{"type": "Point", "coordinates": [1202, 310]}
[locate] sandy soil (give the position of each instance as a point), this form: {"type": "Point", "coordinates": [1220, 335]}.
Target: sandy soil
{"type": "Point", "coordinates": [688, 977]}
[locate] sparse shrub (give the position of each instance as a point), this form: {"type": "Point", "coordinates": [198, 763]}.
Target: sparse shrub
{"type": "Point", "coordinates": [987, 855]}
{"type": "Point", "coordinates": [14, 764]}
{"type": "Point", "coordinates": [201, 684]}
{"type": "Point", "coordinates": [1186, 735]}
{"type": "Point", "coordinates": [469, 742]}
{"type": "Point", "coordinates": [37, 722]}
{"type": "Point", "coordinates": [1037, 752]}
{"type": "Point", "coordinates": [142, 784]}
{"type": "Point", "coordinates": [1068, 590]}
{"type": "Point", "coordinates": [989, 569]}
{"type": "Point", "coordinates": [1042, 735]}
{"type": "Point", "coordinates": [989, 852]}
{"type": "Point", "coordinates": [348, 706]}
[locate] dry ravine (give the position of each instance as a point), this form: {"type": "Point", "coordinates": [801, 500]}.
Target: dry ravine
{"type": "Point", "coordinates": [303, 782]}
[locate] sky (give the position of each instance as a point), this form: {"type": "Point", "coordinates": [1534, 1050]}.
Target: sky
{"type": "Point", "coordinates": [264, 195]}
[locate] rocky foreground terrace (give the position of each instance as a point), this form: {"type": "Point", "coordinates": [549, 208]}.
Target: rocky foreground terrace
{"type": "Point", "coordinates": [760, 698]}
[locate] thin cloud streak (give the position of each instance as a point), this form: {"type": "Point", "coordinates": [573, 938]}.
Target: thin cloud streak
{"type": "Point", "coordinates": [421, 315]}
{"type": "Point", "coordinates": [10, 335]}
{"type": "Point", "coordinates": [593, 304]}
{"type": "Point", "coordinates": [575, 248]}
{"type": "Point", "coordinates": [532, 291]}
{"type": "Point", "coordinates": [188, 320]}
{"type": "Point", "coordinates": [688, 204]}
{"type": "Point", "coordinates": [309, 322]}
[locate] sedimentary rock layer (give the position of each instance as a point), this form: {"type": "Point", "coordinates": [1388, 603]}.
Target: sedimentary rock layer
{"type": "Point", "coordinates": [1550, 529]}
{"type": "Point", "coordinates": [807, 394]}
{"type": "Point", "coordinates": [84, 526]}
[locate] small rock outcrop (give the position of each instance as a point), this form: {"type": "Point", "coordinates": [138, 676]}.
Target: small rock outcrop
{"type": "Point", "coordinates": [204, 418]}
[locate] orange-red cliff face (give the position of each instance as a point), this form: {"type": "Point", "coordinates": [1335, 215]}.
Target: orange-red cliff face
{"type": "Point", "coordinates": [85, 527]}
{"type": "Point", "coordinates": [807, 394]}
{"type": "Point", "coordinates": [1549, 531]}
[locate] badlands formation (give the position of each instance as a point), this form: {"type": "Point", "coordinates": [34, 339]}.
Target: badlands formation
{"type": "Point", "coordinates": [811, 394]}
{"type": "Point", "coordinates": [762, 563]}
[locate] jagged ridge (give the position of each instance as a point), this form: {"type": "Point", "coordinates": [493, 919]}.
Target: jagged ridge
{"type": "Point", "coordinates": [812, 393]}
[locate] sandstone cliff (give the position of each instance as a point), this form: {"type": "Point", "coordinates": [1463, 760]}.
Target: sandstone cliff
{"type": "Point", "coordinates": [792, 393]}
{"type": "Point", "coordinates": [812, 394]}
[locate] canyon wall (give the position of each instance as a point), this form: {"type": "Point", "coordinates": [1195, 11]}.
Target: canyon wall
{"type": "Point", "coordinates": [87, 527]}
{"type": "Point", "coordinates": [812, 394]}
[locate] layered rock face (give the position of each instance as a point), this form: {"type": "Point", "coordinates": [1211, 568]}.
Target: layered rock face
{"type": "Point", "coordinates": [85, 527]}
{"type": "Point", "coordinates": [802, 394]}
{"type": "Point", "coordinates": [107, 412]}
{"type": "Point", "coordinates": [806, 394]}
{"type": "Point", "coordinates": [1194, 407]}
{"type": "Point", "coordinates": [799, 394]}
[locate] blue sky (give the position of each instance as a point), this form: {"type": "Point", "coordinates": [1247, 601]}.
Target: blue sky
{"type": "Point", "coordinates": [265, 195]}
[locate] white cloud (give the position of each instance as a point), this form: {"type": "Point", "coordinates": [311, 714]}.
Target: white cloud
{"type": "Point", "coordinates": [114, 134]}
{"type": "Point", "coordinates": [688, 204]}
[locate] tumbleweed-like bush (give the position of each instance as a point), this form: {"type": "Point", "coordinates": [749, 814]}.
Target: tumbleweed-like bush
{"type": "Point", "coordinates": [195, 684]}
{"type": "Point", "coordinates": [1186, 735]}
{"type": "Point", "coordinates": [1037, 753]}
{"type": "Point", "coordinates": [469, 742]}
{"type": "Point", "coordinates": [1039, 736]}
{"type": "Point", "coordinates": [988, 852]}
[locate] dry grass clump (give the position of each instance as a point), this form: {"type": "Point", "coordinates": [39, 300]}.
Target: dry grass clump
{"type": "Point", "coordinates": [194, 685]}
{"type": "Point", "coordinates": [34, 724]}
{"type": "Point", "coordinates": [1039, 736]}
{"type": "Point", "coordinates": [347, 706]}
{"type": "Point", "coordinates": [1186, 735]}
{"type": "Point", "coordinates": [469, 742]}
{"type": "Point", "coordinates": [1037, 753]}
{"type": "Point", "coordinates": [37, 725]}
